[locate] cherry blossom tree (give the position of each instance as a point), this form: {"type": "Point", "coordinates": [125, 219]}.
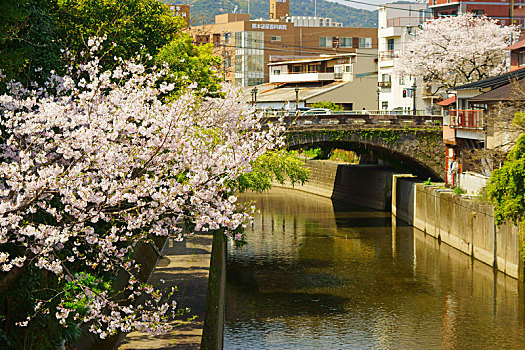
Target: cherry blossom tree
{"type": "Point", "coordinates": [95, 162]}
{"type": "Point", "coordinates": [451, 51]}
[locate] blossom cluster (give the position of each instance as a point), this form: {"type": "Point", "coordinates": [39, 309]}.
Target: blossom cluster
{"type": "Point", "coordinates": [451, 51]}
{"type": "Point", "coordinates": [96, 161]}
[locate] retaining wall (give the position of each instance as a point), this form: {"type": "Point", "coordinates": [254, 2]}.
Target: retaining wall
{"type": "Point", "coordinates": [459, 222]}
{"type": "Point", "coordinates": [364, 185]}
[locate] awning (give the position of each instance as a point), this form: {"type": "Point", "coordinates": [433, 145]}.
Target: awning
{"type": "Point", "coordinates": [448, 101]}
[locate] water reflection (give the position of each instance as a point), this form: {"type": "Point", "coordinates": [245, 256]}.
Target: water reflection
{"type": "Point", "coordinates": [322, 275]}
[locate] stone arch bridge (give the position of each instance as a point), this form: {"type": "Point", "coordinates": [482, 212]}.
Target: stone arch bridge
{"type": "Point", "coordinates": [410, 143]}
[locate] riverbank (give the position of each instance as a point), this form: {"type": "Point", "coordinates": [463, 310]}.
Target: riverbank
{"type": "Point", "coordinates": [184, 265]}
{"type": "Point", "coordinates": [452, 219]}
{"type": "Point", "coordinates": [458, 221]}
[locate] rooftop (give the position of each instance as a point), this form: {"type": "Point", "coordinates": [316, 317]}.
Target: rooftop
{"type": "Point", "coordinates": [495, 82]}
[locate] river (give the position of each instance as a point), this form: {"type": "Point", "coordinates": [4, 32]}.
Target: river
{"type": "Point", "coordinates": [323, 275]}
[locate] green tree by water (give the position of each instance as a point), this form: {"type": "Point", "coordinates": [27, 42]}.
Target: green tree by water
{"type": "Point", "coordinates": [506, 187]}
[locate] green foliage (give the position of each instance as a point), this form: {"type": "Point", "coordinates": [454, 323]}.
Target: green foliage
{"type": "Point", "coordinates": [328, 105]}
{"type": "Point", "coordinates": [458, 190]}
{"type": "Point", "coordinates": [428, 182]}
{"type": "Point", "coordinates": [312, 152]}
{"type": "Point", "coordinates": [134, 26]}
{"type": "Point", "coordinates": [272, 166]}
{"type": "Point", "coordinates": [506, 187]}
{"type": "Point", "coordinates": [204, 11]}
{"type": "Point", "coordinates": [344, 156]}
{"type": "Point", "coordinates": [190, 63]}
{"type": "Point", "coordinates": [28, 39]}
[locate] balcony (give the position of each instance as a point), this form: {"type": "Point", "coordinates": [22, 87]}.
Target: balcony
{"type": "Point", "coordinates": [388, 55]}
{"type": "Point", "coordinates": [428, 92]}
{"type": "Point", "coordinates": [405, 21]}
{"type": "Point", "coordinates": [301, 77]}
{"type": "Point", "coordinates": [384, 84]}
{"type": "Point", "coordinates": [470, 119]}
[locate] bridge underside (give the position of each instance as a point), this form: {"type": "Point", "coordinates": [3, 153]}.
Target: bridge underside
{"type": "Point", "coordinates": [420, 152]}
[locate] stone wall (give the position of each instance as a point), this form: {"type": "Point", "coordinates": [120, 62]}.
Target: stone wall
{"type": "Point", "coordinates": [459, 222]}
{"type": "Point", "coordinates": [363, 185]}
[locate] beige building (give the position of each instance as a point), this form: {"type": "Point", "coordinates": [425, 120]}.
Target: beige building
{"type": "Point", "coordinates": [349, 80]}
{"type": "Point", "coordinates": [247, 46]}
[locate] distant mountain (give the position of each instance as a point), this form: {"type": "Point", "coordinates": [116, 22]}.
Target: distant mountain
{"type": "Point", "coordinates": [204, 11]}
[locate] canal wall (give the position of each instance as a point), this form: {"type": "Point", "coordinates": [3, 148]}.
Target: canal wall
{"type": "Point", "coordinates": [212, 335]}
{"type": "Point", "coordinates": [457, 221]}
{"type": "Point", "coordinates": [364, 185]}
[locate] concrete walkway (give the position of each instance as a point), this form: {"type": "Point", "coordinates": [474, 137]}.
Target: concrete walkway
{"type": "Point", "coordinates": [185, 265]}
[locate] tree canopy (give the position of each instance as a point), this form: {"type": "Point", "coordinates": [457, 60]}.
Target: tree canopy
{"type": "Point", "coordinates": [451, 51]}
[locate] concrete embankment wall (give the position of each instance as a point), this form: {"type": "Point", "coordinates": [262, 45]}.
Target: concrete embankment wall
{"type": "Point", "coordinates": [459, 222]}
{"type": "Point", "coordinates": [212, 335]}
{"type": "Point", "coordinates": [364, 185]}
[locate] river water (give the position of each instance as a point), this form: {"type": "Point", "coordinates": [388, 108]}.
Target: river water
{"type": "Point", "coordinates": [323, 275]}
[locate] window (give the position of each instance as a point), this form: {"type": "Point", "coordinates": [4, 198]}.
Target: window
{"type": "Point", "coordinates": [384, 105]}
{"type": "Point", "coordinates": [276, 38]}
{"type": "Point", "coordinates": [345, 42]}
{"type": "Point", "coordinates": [521, 58]}
{"type": "Point", "coordinates": [276, 71]}
{"type": "Point", "coordinates": [314, 68]}
{"type": "Point", "coordinates": [365, 43]}
{"type": "Point", "coordinates": [401, 79]}
{"type": "Point", "coordinates": [325, 41]}
{"type": "Point", "coordinates": [478, 12]}
{"type": "Point", "coordinates": [227, 61]}
{"type": "Point", "coordinates": [390, 44]}
{"type": "Point", "coordinates": [348, 68]}
{"type": "Point", "coordinates": [386, 78]}
{"type": "Point", "coordinates": [228, 38]}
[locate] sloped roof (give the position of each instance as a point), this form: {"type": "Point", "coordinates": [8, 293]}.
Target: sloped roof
{"type": "Point", "coordinates": [448, 101]}
{"type": "Point", "coordinates": [272, 92]}
{"type": "Point", "coordinates": [517, 45]}
{"type": "Point", "coordinates": [495, 82]}
{"type": "Point", "coordinates": [507, 92]}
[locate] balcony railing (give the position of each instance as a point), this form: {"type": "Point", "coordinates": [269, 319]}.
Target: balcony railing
{"type": "Point", "coordinates": [292, 77]}
{"type": "Point", "coordinates": [388, 55]}
{"type": "Point", "coordinates": [384, 84]}
{"type": "Point", "coordinates": [405, 21]}
{"type": "Point", "coordinates": [465, 119]}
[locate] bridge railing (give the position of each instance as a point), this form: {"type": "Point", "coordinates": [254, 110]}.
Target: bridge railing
{"type": "Point", "coordinates": [355, 119]}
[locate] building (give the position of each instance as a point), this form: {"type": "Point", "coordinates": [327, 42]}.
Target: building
{"type": "Point", "coordinates": [506, 11]}
{"type": "Point", "coordinates": [348, 80]}
{"type": "Point", "coordinates": [307, 21]}
{"type": "Point", "coordinates": [464, 127]}
{"type": "Point", "coordinates": [182, 11]}
{"type": "Point", "coordinates": [397, 23]}
{"type": "Point", "coordinates": [247, 45]}
{"type": "Point", "coordinates": [517, 55]}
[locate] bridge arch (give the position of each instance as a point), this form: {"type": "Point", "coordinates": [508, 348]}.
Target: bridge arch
{"type": "Point", "coordinates": [416, 150]}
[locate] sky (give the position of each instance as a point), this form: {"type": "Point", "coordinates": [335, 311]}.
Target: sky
{"type": "Point", "coordinates": [371, 7]}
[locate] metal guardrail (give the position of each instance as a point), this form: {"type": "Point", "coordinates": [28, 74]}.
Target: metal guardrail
{"type": "Point", "coordinates": [419, 112]}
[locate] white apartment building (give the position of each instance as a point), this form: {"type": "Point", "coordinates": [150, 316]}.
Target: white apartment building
{"type": "Point", "coordinates": [398, 23]}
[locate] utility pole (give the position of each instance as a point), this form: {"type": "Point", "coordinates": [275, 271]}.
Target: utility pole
{"type": "Point", "coordinates": [414, 87]}
{"type": "Point", "coordinates": [223, 56]}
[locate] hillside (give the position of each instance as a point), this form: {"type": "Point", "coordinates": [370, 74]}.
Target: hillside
{"type": "Point", "coordinates": [205, 10]}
